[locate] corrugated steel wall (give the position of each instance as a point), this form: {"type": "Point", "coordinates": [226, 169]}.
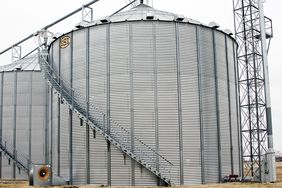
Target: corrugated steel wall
{"type": "Point", "coordinates": [39, 121]}
{"type": "Point", "coordinates": [171, 85]}
{"type": "Point", "coordinates": [79, 84]}
{"type": "Point", "coordinates": [223, 102]}
{"type": "Point", "coordinates": [167, 96]}
{"type": "Point", "coordinates": [8, 119]}
{"type": "Point", "coordinates": [190, 104]}
{"type": "Point", "coordinates": [209, 105]}
{"type": "Point", "coordinates": [142, 70]}
{"type": "Point", "coordinates": [23, 101]}
{"type": "Point", "coordinates": [1, 117]}
{"type": "Point", "coordinates": [79, 152]}
{"type": "Point", "coordinates": [23, 119]}
{"type": "Point", "coordinates": [64, 142]}
{"type": "Point", "coordinates": [55, 62]}
{"type": "Point", "coordinates": [54, 135]}
{"type": "Point", "coordinates": [234, 103]}
{"type": "Point", "coordinates": [98, 161]}
{"type": "Point", "coordinates": [65, 72]}
{"type": "Point", "coordinates": [119, 90]}
{"type": "Point", "coordinates": [97, 88]}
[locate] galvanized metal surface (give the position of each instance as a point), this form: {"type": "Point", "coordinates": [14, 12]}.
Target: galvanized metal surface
{"type": "Point", "coordinates": [64, 158]}
{"type": "Point", "coordinates": [209, 120]}
{"type": "Point", "coordinates": [27, 64]}
{"type": "Point", "coordinates": [223, 101]}
{"type": "Point", "coordinates": [98, 159]}
{"type": "Point", "coordinates": [54, 133]}
{"type": "Point", "coordinates": [79, 84]}
{"type": "Point", "coordinates": [233, 105]}
{"type": "Point", "coordinates": [144, 75]}
{"type": "Point", "coordinates": [148, 74]}
{"type": "Point", "coordinates": [143, 12]}
{"type": "Point", "coordinates": [23, 118]}
{"type": "Point", "coordinates": [79, 152]}
{"type": "Point", "coordinates": [7, 119]}
{"type": "Point", "coordinates": [38, 118]}
{"type": "Point", "coordinates": [97, 87]}
{"type": "Point", "coordinates": [23, 132]}
{"type": "Point", "coordinates": [119, 99]}
{"type": "Point", "coordinates": [64, 143]}
{"type": "Point", "coordinates": [190, 105]}
{"type": "Point", "coordinates": [1, 117]}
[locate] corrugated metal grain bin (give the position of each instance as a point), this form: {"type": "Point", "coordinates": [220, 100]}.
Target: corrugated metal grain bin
{"type": "Point", "coordinates": [23, 108]}
{"type": "Point", "coordinates": [169, 81]}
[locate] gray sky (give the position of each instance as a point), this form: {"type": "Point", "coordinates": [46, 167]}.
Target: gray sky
{"type": "Point", "coordinates": [21, 18]}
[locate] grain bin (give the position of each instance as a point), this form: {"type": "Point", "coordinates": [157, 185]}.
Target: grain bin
{"type": "Point", "coordinates": [151, 79]}
{"type": "Point", "coordinates": [23, 109]}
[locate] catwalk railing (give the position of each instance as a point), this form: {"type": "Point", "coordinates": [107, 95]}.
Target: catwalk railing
{"type": "Point", "coordinates": [115, 133]}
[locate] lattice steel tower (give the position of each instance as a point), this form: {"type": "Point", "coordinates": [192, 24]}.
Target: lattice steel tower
{"type": "Point", "coordinates": [253, 33]}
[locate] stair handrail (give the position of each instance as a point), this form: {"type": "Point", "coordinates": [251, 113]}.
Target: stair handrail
{"type": "Point", "coordinates": [21, 159]}
{"type": "Point", "coordinates": [52, 75]}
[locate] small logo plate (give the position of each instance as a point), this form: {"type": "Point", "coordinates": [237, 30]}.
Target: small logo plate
{"type": "Point", "coordinates": [65, 41]}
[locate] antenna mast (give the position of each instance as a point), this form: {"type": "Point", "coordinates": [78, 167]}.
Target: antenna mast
{"type": "Point", "coordinates": [253, 33]}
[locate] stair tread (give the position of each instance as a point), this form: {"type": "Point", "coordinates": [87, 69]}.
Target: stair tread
{"type": "Point", "coordinates": [78, 108]}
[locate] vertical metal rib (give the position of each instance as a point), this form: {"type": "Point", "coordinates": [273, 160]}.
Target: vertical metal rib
{"type": "Point", "coordinates": [217, 107]}
{"type": "Point", "coordinates": [87, 109]}
{"type": "Point", "coordinates": [200, 106]}
{"type": "Point", "coordinates": [51, 119]}
{"type": "Point", "coordinates": [59, 118]}
{"type": "Point", "coordinates": [30, 117]}
{"type": "Point", "coordinates": [108, 103]}
{"type": "Point", "coordinates": [87, 155]}
{"type": "Point", "coordinates": [51, 127]}
{"type": "Point", "coordinates": [51, 116]}
{"type": "Point", "coordinates": [46, 124]}
{"type": "Point", "coordinates": [179, 104]}
{"type": "Point", "coordinates": [239, 127]}
{"type": "Point", "coordinates": [15, 123]}
{"type": "Point", "coordinates": [1, 118]}
{"type": "Point", "coordinates": [71, 115]}
{"type": "Point", "coordinates": [58, 135]}
{"type": "Point", "coordinates": [156, 95]}
{"type": "Point", "coordinates": [229, 107]}
{"type": "Point", "coordinates": [131, 103]}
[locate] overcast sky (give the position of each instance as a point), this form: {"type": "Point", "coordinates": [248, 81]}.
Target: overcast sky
{"type": "Point", "coordinates": [19, 19]}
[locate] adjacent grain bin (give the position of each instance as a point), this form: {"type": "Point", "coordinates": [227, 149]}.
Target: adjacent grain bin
{"type": "Point", "coordinates": [23, 108]}
{"type": "Point", "coordinates": [169, 81]}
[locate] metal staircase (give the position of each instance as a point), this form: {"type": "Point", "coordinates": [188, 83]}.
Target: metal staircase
{"type": "Point", "coordinates": [21, 161]}
{"type": "Point", "coordinates": [116, 134]}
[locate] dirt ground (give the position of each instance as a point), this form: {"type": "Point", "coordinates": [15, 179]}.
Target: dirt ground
{"type": "Point", "coordinates": [278, 184]}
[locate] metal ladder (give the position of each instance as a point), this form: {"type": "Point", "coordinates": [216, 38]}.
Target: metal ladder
{"type": "Point", "coordinates": [117, 134]}
{"type": "Point", "coordinates": [21, 161]}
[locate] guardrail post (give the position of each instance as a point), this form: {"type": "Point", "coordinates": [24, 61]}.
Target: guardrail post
{"type": "Point", "coordinates": [142, 153]}
{"type": "Point", "coordinates": [15, 151]}
{"type": "Point", "coordinates": [28, 165]}
{"type": "Point", "coordinates": [104, 124]}
{"type": "Point", "coordinates": [72, 95]}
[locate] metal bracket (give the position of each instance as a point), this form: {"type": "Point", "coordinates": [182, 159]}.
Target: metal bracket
{"type": "Point", "coordinates": [16, 53]}
{"type": "Point", "coordinates": [87, 14]}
